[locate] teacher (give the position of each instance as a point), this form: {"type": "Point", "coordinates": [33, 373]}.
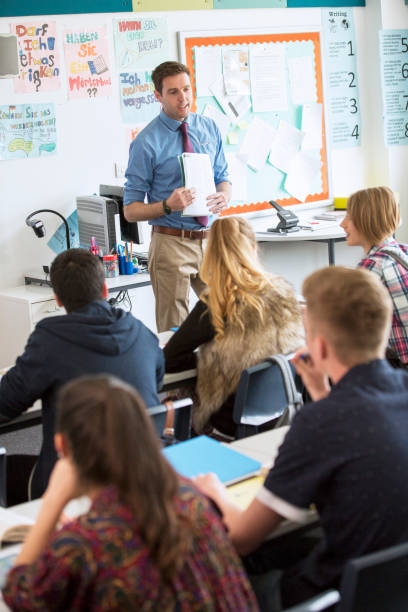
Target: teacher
{"type": "Point", "coordinates": [154, 173]}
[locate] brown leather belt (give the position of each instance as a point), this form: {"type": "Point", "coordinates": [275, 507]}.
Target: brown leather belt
{"type": "Point", "coordinates": [182, 233]}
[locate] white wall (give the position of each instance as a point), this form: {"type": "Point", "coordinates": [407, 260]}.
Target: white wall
{"type": "Point", "coordinates": [91, 136]}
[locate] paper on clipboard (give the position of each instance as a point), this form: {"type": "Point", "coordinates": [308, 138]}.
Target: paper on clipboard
{"type": "Point", "coordinates": [197, 172]}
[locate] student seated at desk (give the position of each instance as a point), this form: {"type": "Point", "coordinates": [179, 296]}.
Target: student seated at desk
{"type": "Point", "coordinates": [372, 218]}
{"type": "Point", "coordinates": [242, 317]}
{"type": "Point", "coordinates": [93, 337]}
{"type": "Point", "coordinates": [150, 541]}
{"type": "Point", "coordinates": [346, 452]}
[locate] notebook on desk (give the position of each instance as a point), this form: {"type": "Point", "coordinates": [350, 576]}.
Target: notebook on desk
{"type": "Point", "coordinates": [202, 455]}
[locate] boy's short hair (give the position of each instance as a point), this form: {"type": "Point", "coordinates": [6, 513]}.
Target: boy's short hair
{"type": "Point", "coordinates": [374, 212]}
{"type": "Point", "coordinates": [352, 310]}
{"type": "Point", "coordinates": [77, 278]}
{"type": "Point", "coordinates": [167, 69]}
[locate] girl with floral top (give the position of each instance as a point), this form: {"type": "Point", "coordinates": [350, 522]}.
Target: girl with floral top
{"type": "Point", "coordinates": [372, 218]}
{"type": "Point", "coordinates": [150, 541]}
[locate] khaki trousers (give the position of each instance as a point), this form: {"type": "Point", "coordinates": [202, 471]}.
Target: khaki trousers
{"type": "Point", "coordinates": [174, 265]}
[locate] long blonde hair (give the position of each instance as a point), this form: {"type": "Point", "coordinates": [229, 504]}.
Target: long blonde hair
{"type": "Point", "coordinates": [233, 274]}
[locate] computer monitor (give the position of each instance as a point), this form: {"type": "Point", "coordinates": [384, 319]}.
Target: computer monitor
{"type": "Point", "coordinates": [130, 232]}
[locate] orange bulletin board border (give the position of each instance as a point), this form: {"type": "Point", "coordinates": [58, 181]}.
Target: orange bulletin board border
{"type": "Point", "coordinates": [245, 39]}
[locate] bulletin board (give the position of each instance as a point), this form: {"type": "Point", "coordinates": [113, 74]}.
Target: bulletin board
{"type": "Point", "coordinates": [266, 183]}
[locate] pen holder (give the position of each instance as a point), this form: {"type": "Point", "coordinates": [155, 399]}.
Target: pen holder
{"type": "Point", "coordinates": [128, 267]}
{"type": "Point", "coordinates": [122, 261]}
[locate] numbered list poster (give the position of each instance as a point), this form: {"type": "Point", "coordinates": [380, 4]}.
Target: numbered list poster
{"type": "Point", "coordinates": [342, 81]}
{"type": "Point", "coordinates": [394, 73]}
{"type": "Point", "coordinates": [140, 45]}
{"type": "Point", "coordinates": [38, 57]}
{"type": "Point", "coordinates": [87, 63]}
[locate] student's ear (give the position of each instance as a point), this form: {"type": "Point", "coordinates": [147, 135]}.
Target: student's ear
{"type": "Point", "coordinates": [105, 291]}
{"type": "Point", "coordinates": [61, 445]}
{"type": "Point", "coordinates": [60, 304]}
{"type": "Point", "coordinates": [322, 348]}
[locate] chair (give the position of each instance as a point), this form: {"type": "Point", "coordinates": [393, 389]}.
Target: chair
{"type": "Point", "coordinates": [3, 477]}
{"type": "Point", "coordinates": [377, 582]}
{"type": "Point", "coordinates": [265, 392]}
{"type": "Point", "coordinates": [172, 420]}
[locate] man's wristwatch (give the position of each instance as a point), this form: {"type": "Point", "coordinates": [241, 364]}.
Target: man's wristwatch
{"type": "Point", "coordinates": [166, 209]}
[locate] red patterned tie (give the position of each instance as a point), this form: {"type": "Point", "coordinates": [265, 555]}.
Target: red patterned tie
{"type": "Point", "coordinates": [188, 148]}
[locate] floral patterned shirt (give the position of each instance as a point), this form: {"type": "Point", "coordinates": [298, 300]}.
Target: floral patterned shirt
{"type": "Point", "coordinates": [99, 562]}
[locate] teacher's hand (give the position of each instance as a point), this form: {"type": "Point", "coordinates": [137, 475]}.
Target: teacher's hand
{"type": "Point", "coordinates": [217, 202]}
{"type": "Point", "coordinates": [181, 198]}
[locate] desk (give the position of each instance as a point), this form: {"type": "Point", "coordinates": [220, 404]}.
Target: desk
{"type": "Point", "coordinates": [329, 235]}
{"type": "Point", "coordinates": [264, 447]}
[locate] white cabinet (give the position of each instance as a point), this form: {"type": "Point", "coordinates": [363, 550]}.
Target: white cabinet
{"type": "Point", "coordinates": [20, 309]}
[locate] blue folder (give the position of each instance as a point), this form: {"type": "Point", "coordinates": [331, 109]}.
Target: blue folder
{"type": "Point", "coordinates": [201, 455]}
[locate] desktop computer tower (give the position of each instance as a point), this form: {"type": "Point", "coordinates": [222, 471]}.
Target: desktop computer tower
{"type": "Point", "coordinates": [96, 217]}
{"type": "Point", "coordinates": [102, 216]}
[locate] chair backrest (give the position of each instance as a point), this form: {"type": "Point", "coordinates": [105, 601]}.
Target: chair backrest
{"type": "Point", "coordinates": [172, 420]}
{"type": "Point", "coordinates": [265, 392]}
{"type": "Point", "coordinates": [376, 582]}
{"type": "Point", "coordinates": [3, 477]}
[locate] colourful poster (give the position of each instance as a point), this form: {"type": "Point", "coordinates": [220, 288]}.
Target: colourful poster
{"type": "Point", "coordinates": [38, 58]}
{"type": "Point", "coordinates": [87, 63]}
{"type": "Point", "coordinates": [27, 130]}
{"type": "Point", "coordinates": [342, 79]}
{"type": "Point", "coordinates": [140, 45]}
{"type": "Point", "coordinates": [394, 73]}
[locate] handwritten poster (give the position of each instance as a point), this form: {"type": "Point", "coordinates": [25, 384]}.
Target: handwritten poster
{"type": "Point", "coordinates": [394, 74]}
{"type": "Point", "coordinates": [342, 80]}
{"type": "Point", "coordinates": [87, 63]}
{"type": "Point", "coordinates": [140, 45]}
{"type": "Point", "coordinates": [38, 57]}
{"type": "Point", "coordinates": [27, 130]}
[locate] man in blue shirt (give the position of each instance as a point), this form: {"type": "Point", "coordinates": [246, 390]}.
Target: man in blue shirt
{"type": "Point", "coordinates": [178, 241]}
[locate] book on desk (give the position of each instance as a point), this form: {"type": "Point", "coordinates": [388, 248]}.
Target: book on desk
{"type": "Point", "coordinates": [203, 454]}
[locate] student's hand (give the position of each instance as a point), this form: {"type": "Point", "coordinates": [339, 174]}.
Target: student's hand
{"type": "Point", "coordinates": [217, 202]}
{"type": "Point", "coordinates": [211, 486]}
{"type": "Point", "coordinates": [181, 198]}
{"type": "Point", "coordinates": [63, 484]}
{"type": "Point", "coordinates": [315, 381]}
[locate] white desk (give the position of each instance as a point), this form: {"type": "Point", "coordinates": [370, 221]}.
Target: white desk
{"type": "Point", "coordinates": [329, 235]}
{"type": "Point", "coordinates": [264, 447]}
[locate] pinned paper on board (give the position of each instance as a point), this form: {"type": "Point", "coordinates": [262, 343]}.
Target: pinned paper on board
{"type": "Point", "coordinates": [223, 121]}
{"type": "Point", "coordinates": [237, 171]}
{"type": "Point", "coordinates": [257, 143]}
{"type": "Point", "coordinates": [302, 79]}
{"type": "Point", "coordinates": [207, 64]}
{"type": "Point", "coordinates": [27, 130]}
{"type": "Point", "coordinates": [234, 106]}
{"type": "Point", "coordinates": [301, 176]}
{"type": "Point", "coordinates": [235, 71]}
{"type": "Point", "coordinates": [312, 119]}
{"type": "Point", "coordinates": [268, 78]}
{"type": "Point", "coordinates": [287, 142]}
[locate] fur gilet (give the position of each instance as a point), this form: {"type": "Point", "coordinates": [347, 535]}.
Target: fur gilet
{"type": "Point", "coordinates": [220, 362]}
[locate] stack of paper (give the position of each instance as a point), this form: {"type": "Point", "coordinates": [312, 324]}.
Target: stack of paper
{"type": "Point", "coordinates": [197, 172]}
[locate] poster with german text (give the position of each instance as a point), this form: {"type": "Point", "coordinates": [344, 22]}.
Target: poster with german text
{"type": "Point", "coordinates": [27, 130]}
{"type": "Point", "coordinates": [87, 63]}
{"type": "Point", "coordinates": [38, 57]}
{"type": "Point", "coordinates": [140, 45]}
